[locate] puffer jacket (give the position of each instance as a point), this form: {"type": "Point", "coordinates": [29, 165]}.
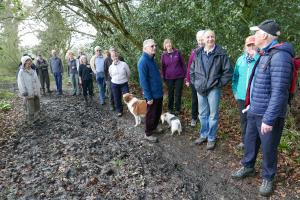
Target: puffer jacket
{"type": "Point", "coordinates": [269, 88]}
{"type": "Point", "coordinates": [28, 83]}
{"type": "Point", "coordinates": [219, 73]}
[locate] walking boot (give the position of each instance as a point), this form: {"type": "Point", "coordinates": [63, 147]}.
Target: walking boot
{"type": "Point", "coordinates": [44, 93]}
{"type": "Point", "coordinates": [86, 101]}
{"type": "Point", "coordinates": [91, 101]}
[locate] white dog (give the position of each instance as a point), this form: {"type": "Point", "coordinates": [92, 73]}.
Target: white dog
{"type": "Point", "coordinates": [172, 121]}
{"type": "Point", "coordinates": [138, 108]}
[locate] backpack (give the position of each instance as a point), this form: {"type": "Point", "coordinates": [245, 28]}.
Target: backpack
{"type": "Point", "coordinates": [296, 67]}
{"type": "Point", "coordinates": [293, 86]}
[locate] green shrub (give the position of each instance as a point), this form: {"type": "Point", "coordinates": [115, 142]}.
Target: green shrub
{"type": "Point", "coordinates": [5, 106]}
{"type": "Point", "coordinates": [7, 95]}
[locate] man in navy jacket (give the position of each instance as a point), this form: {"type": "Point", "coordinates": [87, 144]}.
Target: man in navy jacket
{"type": "Point", "coordinates": [268, 92]}
{"type": "Point", "coordinates": [151, 83]}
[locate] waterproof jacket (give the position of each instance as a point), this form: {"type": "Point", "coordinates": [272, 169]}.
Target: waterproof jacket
{"type": "Point", "coordinates": [72, 66]}
{"type": "Point", "coordinates": [241, 75]}
{"type": "Point", "coordinates": [42, 64]}
{"type": "Point", "coordinates": [28, 83]}
{"type": "Point", "coordinates": [270, 85]}
{"type": "Point", "coordinates": [149, 77]}
{"type": "Point", "coordinates": [56, 65]}
{"type": "Point", "coordinates": [219, 71]}
{"type": "Point", "coordinates": [188, 70]}
{"type": "Point", "coordinates": [172, 64]}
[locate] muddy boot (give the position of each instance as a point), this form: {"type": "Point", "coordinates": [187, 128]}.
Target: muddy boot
{"type": "Point", "coordinates": [44, 93]}
{"type": "Point", "coordinates": [86, 101]}
{"type": "Point", "coordinates": [91, 101]}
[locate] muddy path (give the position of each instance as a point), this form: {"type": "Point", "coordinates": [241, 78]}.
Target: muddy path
{"type": "Point", "coordinates": [78, 152]}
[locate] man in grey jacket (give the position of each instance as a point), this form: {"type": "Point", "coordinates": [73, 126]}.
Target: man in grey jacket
{"type": "Point", "coordinates": [57, 70]}
{"type": "Point", "coordinates": [210, 70]}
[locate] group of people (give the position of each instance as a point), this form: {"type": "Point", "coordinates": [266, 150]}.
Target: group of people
{"type": "Point", "coordinates": [259, 83]}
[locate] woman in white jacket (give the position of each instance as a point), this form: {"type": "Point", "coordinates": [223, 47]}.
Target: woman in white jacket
{"type": "Point", "coordinates": [29, 88]}
{"type": "Point", "coordinates": [119, 73]}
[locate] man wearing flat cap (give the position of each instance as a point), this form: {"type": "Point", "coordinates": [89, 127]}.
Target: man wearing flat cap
{"type": "Point", "coordinates": [266, 101]}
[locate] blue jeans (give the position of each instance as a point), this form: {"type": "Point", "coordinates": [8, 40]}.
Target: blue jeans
{"type": "Point", "coordinates": [209, 113]}
{"type": "Point", "coordinates": [58, 81]}
{"type": "Point", "coordinates": [100, 82]}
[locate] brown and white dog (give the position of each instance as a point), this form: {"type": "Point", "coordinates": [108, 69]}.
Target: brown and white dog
{"type": "Point", "coordinates": [136, 106]}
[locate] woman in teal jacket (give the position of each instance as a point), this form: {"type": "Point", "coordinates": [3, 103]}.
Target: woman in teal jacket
{"type": "Point", "coordinates": [241, 75]}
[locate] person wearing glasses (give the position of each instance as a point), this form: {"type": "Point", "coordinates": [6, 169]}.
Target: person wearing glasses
{"type": "Point", "coordinates": [29, 88]}
{"type": "Point", "coordinates": [151, 84]}
{"type": "Point", "coordinates": [173, 71]}
{"type": "Point", "coordinates": [210, 71]}
{"type": "Point", "coordinates": [97, 65]}
{"type": "Point", "coordinates": [240, 78]}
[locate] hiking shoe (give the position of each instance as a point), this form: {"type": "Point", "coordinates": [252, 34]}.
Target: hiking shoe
{"type": "Point", "coordinates": [210, 145]}
{"type": "Point", "coordinates": [240, 146]}
{"type": "Point", "coordinates": [119, 114]}
{"type": "Point", "coordinates": [243, 172]}
{"type": "Point", "coordinates": [200, 140]}
{"type": "Point", "coordinates": [112, 108]}
{"type": "Point", "coordinates": [193, 122]}
{"type": "Point", "coordinates": [151, 138]}
{"type": "Point", "coordinates": [266, 188]}
{"type": "Point", "coordinates": [158, 130]}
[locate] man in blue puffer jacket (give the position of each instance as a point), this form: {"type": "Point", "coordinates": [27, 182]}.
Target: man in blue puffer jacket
{"type": "Point", "coordinates": [269, 91]}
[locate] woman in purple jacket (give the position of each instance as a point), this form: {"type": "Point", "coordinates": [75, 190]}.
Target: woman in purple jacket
{"type": "Point", "coordinates": [173, 70]}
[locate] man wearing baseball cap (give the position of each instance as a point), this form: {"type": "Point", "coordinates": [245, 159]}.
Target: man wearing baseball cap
{"type": "Point", "coordinates": [267, 96]}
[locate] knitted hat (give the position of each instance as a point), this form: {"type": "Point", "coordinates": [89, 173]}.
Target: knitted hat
{"type": "Point", "coordinates": [24, 59]}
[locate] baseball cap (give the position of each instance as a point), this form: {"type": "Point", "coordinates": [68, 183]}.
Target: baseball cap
{"type": "Point", "coordinates": [268, 26]}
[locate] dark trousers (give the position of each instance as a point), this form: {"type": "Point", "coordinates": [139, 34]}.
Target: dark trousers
{"type": "Point", "coordinates": [194, 103]}
{"type": "Point", "coordinates": [118, 90]}
{"type": "Point", "coordinates": [153, 115]}
{"type": "Point", "coordinates": [44, 78]}
{"type": "Point", "coordinates": [269, 143]}
{"type": "Point", "coordinates": [87, 87]}
{"type": "Point", "coordinates": [243, 118]}
{"type": "Point", "coordinates": [174, 85]}
{"type": "Point", "coordinates": [109, 93]}
{"type": "Point", "coordinates": [58, 81]}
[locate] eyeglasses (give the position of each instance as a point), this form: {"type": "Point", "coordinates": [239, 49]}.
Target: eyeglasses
{"type": "Point", "coordinates": [153, 46]}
